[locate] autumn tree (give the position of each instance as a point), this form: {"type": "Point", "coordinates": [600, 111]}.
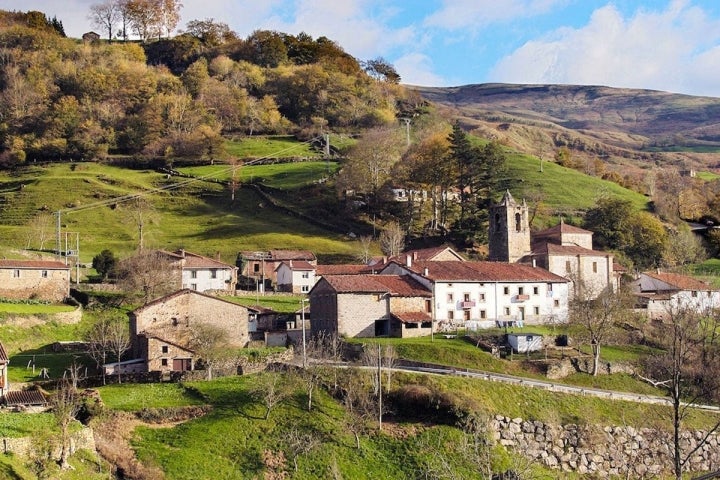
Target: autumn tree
{"type": "Point", "coordinates": [683, 247]}
{"type": "Point", "coordinates": [148, 274]}
{"type": "Point", "coordinates": [392, 239]}
{"type": "Point", "coordinates": [210, 32]}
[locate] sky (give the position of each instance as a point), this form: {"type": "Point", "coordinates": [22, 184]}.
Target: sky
{"type": "Point", "coordinates": [669, 45]}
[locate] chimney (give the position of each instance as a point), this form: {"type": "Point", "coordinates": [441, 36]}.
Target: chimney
{"type": "Point", "coordinates": [534, 262]}
{"type": "Point", "coordinates": [182, 252]}
{"type": "Point", "coordinates": [414, 255]}
{"type": "Point", "coordinates": [426, 271]}
{"type": "Point", "coordinates": [384, 260]}
{"type": "Point", "coordinates": [408, 261]}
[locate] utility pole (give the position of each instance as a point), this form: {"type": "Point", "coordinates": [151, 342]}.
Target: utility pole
{"type": "Point", "coordinates": [302, 317]}
{"type": "Point", "coordinates": [326, 136]}
{"type": "Point", "coordinates": [407, 129]}
{"type": "Point", "coordinates": [57, 235]}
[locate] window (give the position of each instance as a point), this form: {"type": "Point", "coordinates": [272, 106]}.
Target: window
{"type": "Point", "coordinates": [521, 290]}
{"type": "Point", "coordinates": [193, 286]}
{"type": "Point", "coordinates": [193, 273]}
{"type": "Point", "coordinates": [556, 303]}
{"type": "Point", "coordinates": [518, 223]}
{"type": "Point", "coordinates": [536, 310]}
{"type": "Point", "coordinates": [450, 285]}
{"type": "Point", "coordinates": [536, 290]}
{"type": "Point", "coordinates": [428, 306]}
{"type": "Point", "coordinates": [497, 222]}
{"type": "Point", "coordinates": [507, 310]}
{"type": "Point", "coordinates": [567, 266]}
{"type": "Point", "coordinates": [451, 315]}
{"type": "Point", "coordinates": [482, 297]}
{"type": "Point", "coordinates": [466, 315]}
{"type": "Point", "coordinates": [483, 314]}
{"type": "Point", "coordinates": [450, 298]}
{"type": "Point", "coordinates": [256, 268]}
{"type": "Point", "coordinates": [44, 274]}
{"type": "Point", "coordinates": [506, 290]}
{"type": "Point", "coordinates": [16, 273]}
{"type": "Point", "coordinates": [213, 273]}
{"type": "Point", "coordinates": [594, 267]}
{"type": "Point", "coordinates": [305, 288]}
{"type": "Point", "coordinates": [306, 275]}
{"type": "Point", "coordinates": [549, 287]}
{"type": "Point", "coordinates": [466, 297]}
{"type": "Point", "coordinates": [163, 362]}
{"type": "Point", "coordinates": [164, 349]}
{"type": "Point", "coordinates": [426, 325]}
{"type": "Point", "coordinates": [694, 293]}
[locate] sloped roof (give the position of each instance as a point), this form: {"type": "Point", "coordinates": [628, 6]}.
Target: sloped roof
{"type": "Point", "coordinates": [411, 317]}
{"type": "Point", "coordinates": [34, 264]}
{"type": "Point", "coordinates": [450, 271]}
{"type": "Point", "coordinates": [680, 282]}
{"type": "Point", "coordinates": [560, 228]}
{"type": "Point", "coordinates": [555, 249]}
{"type": "Point", "coordinates": [395, 285]}
{"type": "Point", "coordinates": [3, 355]}
{"type": "Point", "coordinates": [342, 269]}
{"type": "Point", "coordinates": [297, 265]}
{"type": "Point", "coordinates": [25, 397]}
{"type": "Point", "coordinates": [187, 291]}
{"type": "Point", "coordinates": [193, 260]}
{"type": "Point", "coordinates": [280, 255]}
{"type": "Point", "coordinates": [425, 254]}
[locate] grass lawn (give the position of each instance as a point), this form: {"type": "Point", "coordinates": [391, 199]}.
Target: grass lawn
{"type": "Point", "coordinates": [280, 175]}
{"type": "Point", "coordinates": [33, 309]}
{"type": "Point", "coordinates": [270, 147]}
{"type": "Point", "coordinates": [707, 176]}
{"type": "Point", "coordinates": [134, 397]}
{"type": "Point", "coordinates": [279, 303]}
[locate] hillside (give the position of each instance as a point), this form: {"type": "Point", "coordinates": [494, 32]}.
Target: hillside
{"type": "Point", "coordinates": [625, 126]}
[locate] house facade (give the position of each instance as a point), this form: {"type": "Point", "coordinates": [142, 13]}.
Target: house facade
{"type": "Point", "coordinates": [262, 266]}
{"type": "Point", "coordinates": [34, 279]}
{"type": "Point", "coordinates": [487, 294]}
{"type": "Point", "coordinates": [169, 321]}
{"type": "Point", "coordinates": [295, 276]}
{"type": "Point", "coordinates": [203, 273]}
{"type": "Point", "coordinates": [659, 294]}
{"type": "Point", "coordinates": [370, 306]}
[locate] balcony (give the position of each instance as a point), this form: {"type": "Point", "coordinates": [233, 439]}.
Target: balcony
{"type": "Point", "coordinates": [468, 304]}
{"type": "Point", "coordinates": [522, 298]}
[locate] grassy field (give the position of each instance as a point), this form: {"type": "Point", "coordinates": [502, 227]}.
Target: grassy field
{"type": "Point", "coordinates": [32, 309]}
{"type": "Point", "coordinates": [707, 176]}
{"type": "Point", "coordinates": [269, 147]}
{"type": "Point", "coordinates": [286, 176]}
{"type": "Point", "coordinates": [279, 303]}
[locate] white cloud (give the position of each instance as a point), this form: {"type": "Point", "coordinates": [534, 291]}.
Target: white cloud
{"type": "Point", "coordinates": [479, 13]}
{"type": "Point", "coordinates": [417, 69]}
{"type": "Point", "coordinates": [669, 50]}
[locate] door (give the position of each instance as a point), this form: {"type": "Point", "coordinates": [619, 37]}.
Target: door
{"type": "Point", "coordinates": [181, 364]}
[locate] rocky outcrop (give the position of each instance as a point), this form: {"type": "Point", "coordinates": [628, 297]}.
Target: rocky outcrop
{"type": "Point", "coordinates": [569, 366]}
{"type": "Point", "coordinates": [602, 451]}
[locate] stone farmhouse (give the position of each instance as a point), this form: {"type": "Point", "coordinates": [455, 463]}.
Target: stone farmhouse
{"type": "Point", "coordinates": [660, 293]}
{"type": "Point", "coordinates": [295, 276]}
{"type": "Point", "coordinates": [370, 306]}
{"type": "Point", "coordinates": [488, 294]}
{"type": "Point", "coordinates": [34, 279]}
{"type": "Point", "coordinates": [161, 330]}
{"type": "Point", "coordinates": [564, 250]}
{"type": "Point", "coordinates": [202, 273]}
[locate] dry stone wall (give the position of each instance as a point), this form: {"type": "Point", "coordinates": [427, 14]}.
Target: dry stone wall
{"type": "Point", "coordinates": [603, 451]}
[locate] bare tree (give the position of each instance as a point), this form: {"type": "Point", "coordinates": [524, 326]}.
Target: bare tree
{"type": "Point", "coordinates": [598, 317]}
{"type": "Point", "coordinates": [39, 229]}
{"type": "Point", "coordinates": [98, 338]}
{"type": "Point", "coordinates": [270, 390]}
{"type": "Point", "coordinates": [301, 443]}
{"type": "Point", "coordinates": [105, 16]}
{"type": "Point", "coordinates": [142, 214]}
{"type": "Point", "coordinates": [358, 401]}
{"type": "Point", "coordinates": [380, 358]}
{"type": "Point", "coordinates": [365, 244]}
{"type": "Point", "coordinates": [65, 406]}
{"type": "Point", "coordinates": [392, 239]}
{"type": "Point", "coordinates": [118, 341]}
{"type": "Point", "coordinates": [686, 370]}
{"type": "Point", "coordinates": [148, 274]}
{"type": "Point", "coordinates": [210, 343]}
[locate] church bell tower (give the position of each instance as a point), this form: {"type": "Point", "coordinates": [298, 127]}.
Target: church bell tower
{"type": "Point", "coordinates": [509, 236]}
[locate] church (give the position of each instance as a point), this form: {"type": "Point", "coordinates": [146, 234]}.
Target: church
{"type": "Point", "coordinates": [564, 250]}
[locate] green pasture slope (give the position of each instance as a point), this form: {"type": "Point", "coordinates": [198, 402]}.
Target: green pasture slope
{"type": "Point", "coordinates": [196, 215]}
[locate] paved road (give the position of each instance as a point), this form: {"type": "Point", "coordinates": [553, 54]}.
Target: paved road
{"type": "Point", "coordinates": [545, 385]}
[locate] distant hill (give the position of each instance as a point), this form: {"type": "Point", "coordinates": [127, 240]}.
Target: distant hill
{"type": "Point", "coordinates": [623, 126]}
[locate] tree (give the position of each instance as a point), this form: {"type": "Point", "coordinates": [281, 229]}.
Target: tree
{"type": "Point", "coordinates": [380, 358]}
{"type": "Point", "coordinates": [209, 342]}
{"type": "Point", "coordinates": [683, 247]}
{"type": "Point", "coordinates": [118, 341]}
{"type": "Point", "coordinates": [148, 274]}
{"type": "Point", "coordinates": [271, 390]}
{"type": "Point", "coordinates": [687, 371]}
{"type": "Point", "coordinates": [598, 317]}
{"type": "Point", "coordinates": [211, 32]}
{"type": "Point", "coordinates": [40, 229]}
{"type": "Point", "coordinates": [392, 239]}
{"type": "Point", "coordinates": [465, 157]}
{"type": "Point", "coordinates": [381, 69]}
{"type": "Point", "coordinates": [105, 263]}
{"type": "Point", "coordinates": [301, 443]}
{"type": "Point", "coordinates": [65, 405]}
{"type": "Point", "coordinates": [105, 16]}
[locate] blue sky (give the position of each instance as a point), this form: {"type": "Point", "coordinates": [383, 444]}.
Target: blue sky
{"type": "Point", "coordinates": [671, 45]}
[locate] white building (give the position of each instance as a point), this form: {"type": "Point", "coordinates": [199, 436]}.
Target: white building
{"type": "Point", "coordinates": [660, 293]}
{"type": "Point", "coordinates": [202, 273]}
{"type": "Point", "coordinates": [487, 294]}
{"type": "Point", "coordinates": [295, 276]}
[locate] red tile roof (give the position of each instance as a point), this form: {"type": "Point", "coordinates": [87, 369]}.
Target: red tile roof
{"type": "Point", "coordinates": [342, 269]}
{"type": "Point", "coordinates": [279, 255]}
{"type": "Point", "coordinates": [412, 317]}
{"type": "Point", "coordinates": [3, 355]}
{"type": "Point", "coordinates": [395, 285]}
{"type": "Point", "coordinates": [193, 260]}
{"type": "Point", "coordinates": [555, 249]}
{"type": "Point", "coordinates": [681, 282]}
{"type": "Point", "coordinates": [25, 397]}
{"type": "Point", "coordinates": [34, 264]}
{"type": "Point", "coordinates": [450, 271]}
{"type": "Point", "coordinates": [187, 291]}
{"type": "Point", "coordinates": [424, 254]}
{"type": "Point", "coordinates": [298, 265]}
{"type": "Point", "coordinates": [561, 227]}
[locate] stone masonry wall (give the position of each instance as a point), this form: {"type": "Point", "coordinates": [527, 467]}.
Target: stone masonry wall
{"type": "Point", "coordinates": [602, 452]}
{"type": "Point", "coordinates": [23, 446]}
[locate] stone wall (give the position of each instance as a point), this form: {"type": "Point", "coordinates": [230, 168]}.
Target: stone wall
{"type": "Point", "coordinates": [569, 366]}
{"type": "Point", "coordinates": [602, 452]}
{"type": "Point", "coordinates": [81, 440]}
{"type": "Point", "coordinates": [27, 321]}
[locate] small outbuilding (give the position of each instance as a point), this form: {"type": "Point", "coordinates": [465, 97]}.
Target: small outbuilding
{"type": "Point", "coordinates": [525, 342]}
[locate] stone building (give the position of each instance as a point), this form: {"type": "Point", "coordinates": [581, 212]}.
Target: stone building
{"type": "Point", "coordinates": [370, 306]}
{"type": "Point", "coordinates": [262, 266]}
{"type": "Point", "coordinates": [170, 320]}
{"type": "Point", "coordinates": [659, 294]}
{"type": "Point", "coordinates": [34, 280]}
{"type": "Point", "coordinates": [509, 235]}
